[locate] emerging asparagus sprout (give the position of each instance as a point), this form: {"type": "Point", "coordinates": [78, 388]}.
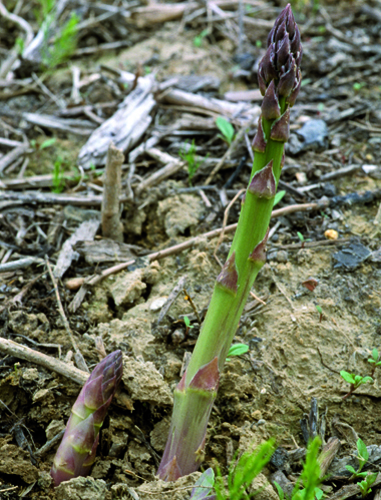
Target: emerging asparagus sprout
{"type": "Point", "coordinates": [279, 80]}
{"type": "Point", "coordinates": [76, 453]}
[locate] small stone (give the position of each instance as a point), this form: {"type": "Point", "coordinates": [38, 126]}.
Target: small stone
{"type": "Point", "coordinates": [30, 374]}
{"type": "Point", "coordinates": [331, 234]}
{"type": "Point", "coordinates": [54, 428]}
{"type": "Point", "coordinates": [257, 414]}
{"type": "Point", "coordinates": [158, 303]}
{"type": "Point", "coordinates": [41, 394]}
{"type": "Point", "coordinates": [282, 256]}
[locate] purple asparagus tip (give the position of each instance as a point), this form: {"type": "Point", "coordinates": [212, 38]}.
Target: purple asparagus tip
{"type": "Point", "coordinates": [76, 453]}
{"type": "Point", "coordinates": [281, 63]}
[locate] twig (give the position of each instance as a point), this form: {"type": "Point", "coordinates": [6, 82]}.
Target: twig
{"type": "Point", "coordinates": [111, 225]}
{"type": "Point", "coordinates": [93, 280]}
{"type": "Point", "coordinates": [49, 444]}
{"type": "Point", "coordinates": [228, 229]}
{"type": "Point", "coordinates": [10, 157]}
{"type": "Point", "coordinates": [326, 366]}
{"type": "Point", "coordinates": [189, 298]}
{"type": "Point", "coordinates": [7, 64]}
{"type": "Point", "coordinates": [171, 298]}
{"type": "Point", "coordinates": [20, 351]}
{"type": "Point", "coordinates": [78, 355]}
{"type": "Point", "coordinates": [19, 264]}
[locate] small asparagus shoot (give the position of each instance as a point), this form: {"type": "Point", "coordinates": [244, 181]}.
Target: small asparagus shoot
{"type": "Point", "coordinates": [279, 80]}
{"type": "Point", "coordinates": [76, 453]}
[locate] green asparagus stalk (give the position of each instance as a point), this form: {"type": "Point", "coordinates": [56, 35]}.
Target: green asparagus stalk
{"type": "Point", "coordinates": [76, 453]}
{"type": "Point", "coordinates": [279, 80]}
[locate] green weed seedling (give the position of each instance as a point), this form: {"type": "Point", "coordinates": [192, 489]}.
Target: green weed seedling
{"type": "Point", "coordinates": [243, 472]}
{"type": "Point", "coordinates": [197, 40]}
{"type": "Point", "coordinates": [187, 324]}
{"type": "Point", "coordinates": [354, 380]}
{"type": "Point", "coordinates": [374, 360]}
{"type": "Point", "coordinates": [358, 86]}
{"type": "Point", "coordinates": [226, 129]}
{"type": "Point", "coordinates": [65, 42]}
{"type": "Point", "coordinates": [58, 181]}
{"type": "Point", "coordinates": [365, 484]}
{"type": "Point", "coordinates": [363, 457]}
{"type": "Point", "coordinates": [189, 156]}
{"type": "Point", "coordinates": [237, 350]}
{"type": "Point", "coordinates": [320, 311]}
{"type": "Point", "coordinates": [302, 239]}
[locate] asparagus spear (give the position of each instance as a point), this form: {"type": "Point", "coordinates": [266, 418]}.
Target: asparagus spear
{"type": "Point", "coordinates": [279, 80]}
{"type": "Point", "coordinates": [76, 453]}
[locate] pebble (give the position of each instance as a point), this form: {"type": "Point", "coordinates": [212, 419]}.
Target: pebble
{"type": "Point", "coordinates": [158, 303]}
{"type": "Point", "coordinates": [282, 256]}
{"type": "Point", "coordinates": [331, 234]}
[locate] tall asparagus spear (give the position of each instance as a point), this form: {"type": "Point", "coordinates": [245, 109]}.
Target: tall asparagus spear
{"type": "Point", "coordinates": [76, 453]}
{"type": "Point", "coordinates": [279, 80]}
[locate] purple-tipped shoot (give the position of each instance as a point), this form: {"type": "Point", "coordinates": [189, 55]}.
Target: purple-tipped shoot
{"type": "Point", "coordinates": [279, 80]}
{"type": "Point", "coordinates": [76, 453]}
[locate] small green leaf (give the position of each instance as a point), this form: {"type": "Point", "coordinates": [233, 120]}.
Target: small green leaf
{"type": "Point", "coordinates": [361, 448]}
{"type": "Point", "coordinates": [348, 377]}
{"type": "Point", "coordinates": [187, 321]}
{"type": "Point", "coordinates": [375, 354]}
{"type": "Point", "coordinates": [319, 309]}
{"type": "Point", "coordinates": [300, 236]}
{"type": "Point", "coordinates": [238, 349]}
{"type": "Point", "coordinates": [366, 379]}
{"type": "Point", "coordinates": [48, 143]}
{"type": "Point", "coordinates": [280, 491]}
{"type": "Point", "coordinates": [279, 195]}
{"type": "Point", "coordinates": [319, 494]}
{"type": "Point", "coordinates": [226, 128]}
{"type": "Point", "coordinates": [350, 469]}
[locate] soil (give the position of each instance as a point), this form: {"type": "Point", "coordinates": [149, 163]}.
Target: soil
{"type": "Point", "coordinates": [266, 392]}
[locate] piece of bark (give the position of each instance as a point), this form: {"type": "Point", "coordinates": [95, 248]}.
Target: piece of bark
{"type": "Point", "coordinates": [327, 454]}
{"type": "Point", "coordinates": [86, 231]}
{"type": "Point", "coordinates": [112, 227]}
{"type": "Point", "coordinates": [124, 128]}
{"type": "Point", "coordinates": [98, 252]}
